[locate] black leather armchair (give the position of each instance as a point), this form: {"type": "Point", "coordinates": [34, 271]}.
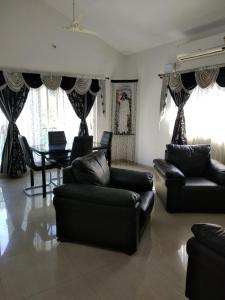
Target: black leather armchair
{"type": "Point", "coordinates": [102, 206]}
{"type": "Point", "coordinates": [206, 263]}
{"type": "Point", "coordinates": [189, 181]}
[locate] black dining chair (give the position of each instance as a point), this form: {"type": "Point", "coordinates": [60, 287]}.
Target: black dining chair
{"type": "Point", "coordinates": [56, 137]}
{"type": "Point", "coordinates": [82, 145]}
{"type": "Point", "coordinates": [34, 165]}
{"type": "Point", "coordinates": [60, 159]}
{"type": "Point", "coordinates": [106, 140]}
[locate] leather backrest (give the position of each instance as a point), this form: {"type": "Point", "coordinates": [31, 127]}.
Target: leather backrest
{"type": "Point", "coordinates": [92, 169]}
{"type": "Point", "coordinates": [82, 145]}
{"type": "Point", "coordinates": [192, 160]}
{"type": "Point", "coordinates": [56, 137]}
{"type": "Point", "coordinates": [28, 156]}
{"type": "Point", "coordinates": [106, 138]}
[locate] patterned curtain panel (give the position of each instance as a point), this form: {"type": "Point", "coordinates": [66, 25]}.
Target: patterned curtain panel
{"type": "Point", "coordinates": [82, 105]}
{"type": "Point", "coordinates": [179, 131]}
{"type": "Point", "coordinates": [12, 103]}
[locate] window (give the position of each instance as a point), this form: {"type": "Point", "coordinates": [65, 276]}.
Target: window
{"type": "Point", "coordinates": [47, 110]}
{"type": "Point", "coordinates": [204, 116]}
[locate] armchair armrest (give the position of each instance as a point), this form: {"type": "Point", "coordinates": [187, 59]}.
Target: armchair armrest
{"type": "Point", "coordinates": [210, 235]}
{"type": "Point", "coordinates": [96, 194]}
{"type": "Point", "coordinates": [130, 180]}
{"type": "Point", "coordinates": [216, 172]}
{"type": "Point", "coordinates": [168, 170]}
{"type": "Point", "coordinates": [68, 176]}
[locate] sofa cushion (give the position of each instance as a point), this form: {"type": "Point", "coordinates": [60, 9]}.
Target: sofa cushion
{"type": "Point", "coordinates": [211, 235]}
{"type": "Point", "coordinates": [92, 169]}
{"type": "Point", "coordinates": [192, 160]}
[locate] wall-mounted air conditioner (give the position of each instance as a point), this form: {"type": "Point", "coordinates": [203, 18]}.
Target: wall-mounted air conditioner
{"type": "Point", "coordinates": [200, 53]}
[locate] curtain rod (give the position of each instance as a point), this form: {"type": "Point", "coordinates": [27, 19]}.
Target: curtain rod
{"type": "Point", "coordinates": [192, 70]}
{"type": "Point", "coordinates": [68, 74]}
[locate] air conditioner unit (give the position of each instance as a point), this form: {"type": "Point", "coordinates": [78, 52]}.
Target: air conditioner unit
{"type": "Point", "coordinates": [201, 53]}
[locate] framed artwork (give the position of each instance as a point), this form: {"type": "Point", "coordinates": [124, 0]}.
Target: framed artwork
{"type": "Point", "coordinates": [123, 111]}
{"type": "Point", "coordinates": [124, 118]}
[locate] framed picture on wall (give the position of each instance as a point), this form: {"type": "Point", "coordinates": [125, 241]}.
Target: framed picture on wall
{"type": "Point", "coordinates": [123, 111]}
{"type": "Point", "coordinates": [124, 93]}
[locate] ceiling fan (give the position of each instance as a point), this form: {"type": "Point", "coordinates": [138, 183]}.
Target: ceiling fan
{"type": "Point", "coordinates": [75, 25]}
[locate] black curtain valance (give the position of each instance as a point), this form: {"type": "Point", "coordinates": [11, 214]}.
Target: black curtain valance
{"type": "Point", "coordinates": [188, 80]}
{"type": "Point", "coordinates": [221, 77]}
{"type": "Point", "coordinates": [32, 80]}
{"type": "Point", "coordinates": [15, 80]}
{"type": "Point", "coordinates": [185, 82]}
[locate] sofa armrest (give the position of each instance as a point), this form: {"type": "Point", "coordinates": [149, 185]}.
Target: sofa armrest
{"type": "Point", "coordinates": [211, 236]}
{"type": "Point", "coordinates": [131, 180]}
{"type": "Point", "coordinates": [68, 176]}
{"type": "Point", "coordinates": [97, 194]}
{"type": "Point", "coordinates": [168, 170]}
{"type": "Point", "coordinates": [216, 172]}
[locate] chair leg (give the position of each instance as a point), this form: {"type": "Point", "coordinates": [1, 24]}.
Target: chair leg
{"type": "Point", "coordinates": [58, 176]}
{"type": "Point", "coordinates": [31, 177]}
{"type": "Point", "coordinates": [30, 191]}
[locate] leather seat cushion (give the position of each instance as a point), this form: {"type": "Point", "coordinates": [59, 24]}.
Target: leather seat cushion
{"type": "Point", "coordinates": [92, 169]}
{"type": "Point", "coordinates": [192, 160]}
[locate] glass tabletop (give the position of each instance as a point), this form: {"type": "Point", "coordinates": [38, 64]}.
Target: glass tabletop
{"type": "Point", "coordinates": [61, 148]}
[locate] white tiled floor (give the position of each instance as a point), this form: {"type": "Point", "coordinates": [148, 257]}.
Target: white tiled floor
{"type": "Point", "coordinates": [33, 265]}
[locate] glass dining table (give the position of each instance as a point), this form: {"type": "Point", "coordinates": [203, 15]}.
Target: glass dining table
{"type": "Point", "coordinates": [46, 149]}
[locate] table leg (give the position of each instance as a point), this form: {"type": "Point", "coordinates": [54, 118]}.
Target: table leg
{"type": "Point", "coordinates": [43, 175]}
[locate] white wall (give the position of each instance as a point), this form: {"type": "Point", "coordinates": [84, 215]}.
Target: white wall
{"type": "Point", "coordinates": [28, 28]}
{"type": "Point", "coordinates": [152, 138]}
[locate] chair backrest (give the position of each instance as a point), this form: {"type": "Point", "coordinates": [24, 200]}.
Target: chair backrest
{"type": "Point", "coordinates": [106, 138]}
{"type": "Point", "coordinates": [28, 155]}
{"type": "Point", "coordinates": [56, 137]}
{"type": "Point", "coordinates": [82, 145]}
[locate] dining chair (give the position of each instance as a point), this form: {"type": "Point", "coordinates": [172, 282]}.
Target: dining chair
{"type": "Point", "coordinates": [82, 145]}
{"type": "Point", "coordinates": [61, 159]}
{"type": "Point", "coordinates": [34, 165]}
{"type": "Point", "coordinates": [106, 140]}
{"type": "Point", "coordinates": [56, 137]}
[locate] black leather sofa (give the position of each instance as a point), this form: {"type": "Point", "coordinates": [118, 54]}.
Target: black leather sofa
{"type": "Point", "coordinates": [187, 180]}
{"type": "Point", "coordinates": [103, 206]}
{"type": "Point", "coordinates": [206, 263]}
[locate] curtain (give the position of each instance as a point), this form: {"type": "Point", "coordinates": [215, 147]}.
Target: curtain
{"type": "Point", "coordinates": [179, 131]}
{"type": "Point", "coordinates": [204, 113]}
{"type": "Point", "coordinates": [50, 111]}
{"type": "Point", "coordinates": [12, 103]}
{"type": "Point", "coordinates": [82, 105]}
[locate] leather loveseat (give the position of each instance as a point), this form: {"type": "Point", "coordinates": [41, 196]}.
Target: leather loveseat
{"type": "Point", "coordinates": [187, 180]}
{"type": "Point", "coordinates": [105, 206]}
{"type": "Point", "coordinates": [206, 263]}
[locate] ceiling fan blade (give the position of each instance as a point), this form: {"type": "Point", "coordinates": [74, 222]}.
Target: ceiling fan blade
{"type": "Point", "coordinates": [75, 25]}
{"type": "Point", "coordinates": [88, 31]}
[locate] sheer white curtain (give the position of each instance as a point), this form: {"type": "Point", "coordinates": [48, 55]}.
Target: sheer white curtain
{"type": "Point", "coordinates": [205, 118]}
{"type": "Point", "coordinates": [47, 110]}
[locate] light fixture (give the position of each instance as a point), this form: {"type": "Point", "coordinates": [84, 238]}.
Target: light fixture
{"type": "Point", "coordinates": [75, 25]}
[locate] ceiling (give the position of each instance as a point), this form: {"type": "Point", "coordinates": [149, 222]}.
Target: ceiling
{"type": "Point", "coordinates": [131, 26]}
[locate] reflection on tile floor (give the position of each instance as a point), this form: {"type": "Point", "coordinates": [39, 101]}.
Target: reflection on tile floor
{"type": "Point", "coordinates": [34, 265]}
